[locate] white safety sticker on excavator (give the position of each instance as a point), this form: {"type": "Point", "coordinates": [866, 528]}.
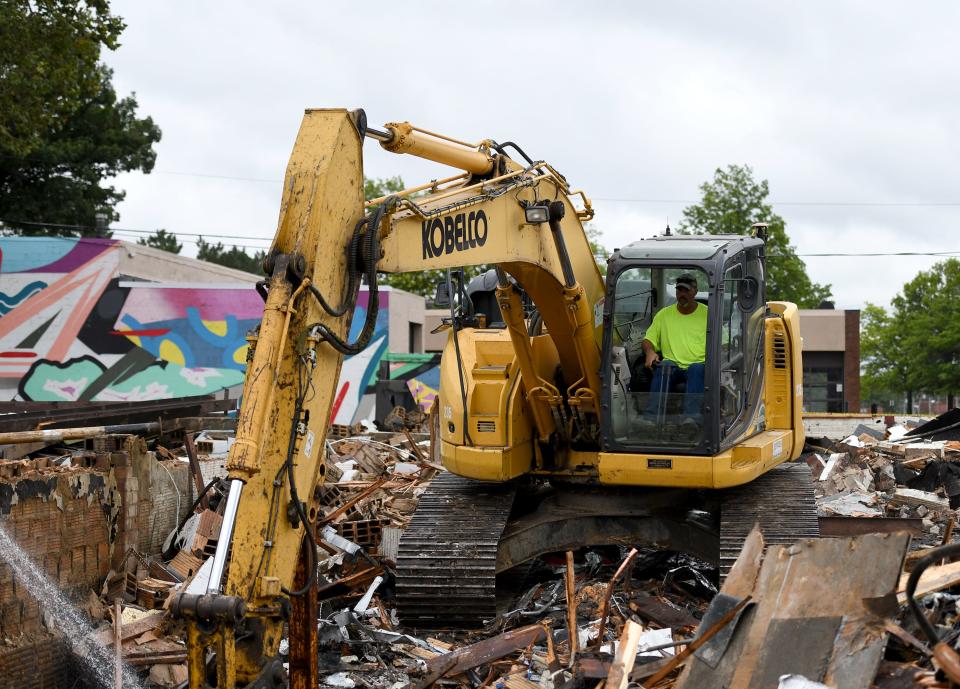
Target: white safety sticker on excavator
{"type": "Point", "coordinates": [777, 448]}
{"type": "Point", "coordinates": [799, 389]}
{"type": "Point", "coordinates": [598, 313]}
{"type": "Point", "coordinates": [308, 444]}
{"type": "Point", "coordinates": [447, 412]}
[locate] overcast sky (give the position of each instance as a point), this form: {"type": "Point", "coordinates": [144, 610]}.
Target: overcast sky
{"type": "Point", "coordinates": [850, 110]}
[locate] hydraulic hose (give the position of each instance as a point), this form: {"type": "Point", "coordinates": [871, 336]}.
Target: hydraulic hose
{"type": "Point", "coordinates": [935, 556]}
{"type": "Point", "coordinates": [370, 258]}
{"type": "Point", "coordinates": [353, 276]}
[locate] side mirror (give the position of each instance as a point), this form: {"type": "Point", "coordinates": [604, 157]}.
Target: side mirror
{"type": "Point", "coordinates": [442, 297]}
{"type": "Point", "coordinates": [748, 293]}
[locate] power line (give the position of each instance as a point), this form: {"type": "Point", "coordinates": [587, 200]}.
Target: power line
{"type": "Point", "coordinates": [129, 229]}
{"type": "Point", "coordinates": [189, 238]}
{"type": "Point", "coordinates": [209, 176]}
{"type": "Point", "coordinates": [878, 204]}
{"type": "Point", "coordinates": [852, 204]}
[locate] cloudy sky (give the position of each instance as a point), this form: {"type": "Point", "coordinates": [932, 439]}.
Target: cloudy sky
{"type": "Point", "coordinates": [850, 110]}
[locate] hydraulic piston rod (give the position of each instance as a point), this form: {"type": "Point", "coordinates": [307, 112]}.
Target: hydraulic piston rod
{"type": "Point", "coordinates": [226, 533]}
{"type": "Point", "coordinates": [402, 137]}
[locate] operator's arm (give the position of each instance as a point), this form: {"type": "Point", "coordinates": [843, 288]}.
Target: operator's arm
{"type": "Point", "coordinates": [651, 342]}
{"type": "Point", "coordinates": [650, 356]}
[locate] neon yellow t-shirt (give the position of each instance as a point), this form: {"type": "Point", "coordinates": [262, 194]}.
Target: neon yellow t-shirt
{"type": "Point", "coordinates": [681, 338]}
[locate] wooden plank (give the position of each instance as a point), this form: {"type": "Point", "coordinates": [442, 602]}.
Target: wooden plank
{"type": "Point", "coordinates": [608, 592]}
{"type": "Point", "coordinates": [469, 657]}
{"type": "Point", "coordinates": [195, 468]}
{"type": "Point", "coordinates": [932, 580]}
{"type": "Point", "coordinates": [118, 644]}
{"type": "Point", "coordinates": [131, 629]}
{"type": "Point", "coordinates": [652, 609]}
{"type": "Point", "coordinates": [625, 657]}
{"type": "Point", "coordinates": [571, 605]}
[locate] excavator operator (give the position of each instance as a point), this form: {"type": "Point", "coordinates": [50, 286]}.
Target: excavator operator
{"type": "Point", "coordinates": [680, 333]}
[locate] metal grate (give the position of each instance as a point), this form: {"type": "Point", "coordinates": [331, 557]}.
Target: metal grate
{"type": "Point", "coordinates": [486, 426]}
{"type": "Point", "coordinates": [779, 351]}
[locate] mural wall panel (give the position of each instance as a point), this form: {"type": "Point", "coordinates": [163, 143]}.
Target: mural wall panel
{"type": "Point", "coordinates": [73, 329]}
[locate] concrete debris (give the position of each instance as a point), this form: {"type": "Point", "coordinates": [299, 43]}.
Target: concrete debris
{"type": "Point", "coordinates": [892, 475]}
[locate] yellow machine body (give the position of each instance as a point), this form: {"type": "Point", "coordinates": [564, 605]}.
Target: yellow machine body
{"type": "Point", "coordinates": [510, 403]}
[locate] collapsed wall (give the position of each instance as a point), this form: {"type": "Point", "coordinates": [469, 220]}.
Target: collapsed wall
{"type": "Point", "coordinates": [78, 517]}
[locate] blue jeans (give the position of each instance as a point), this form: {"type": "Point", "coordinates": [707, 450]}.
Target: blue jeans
{"type": "Point", "coordinates": [668, 374]}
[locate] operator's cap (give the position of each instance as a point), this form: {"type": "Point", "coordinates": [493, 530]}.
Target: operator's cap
{"type": "Point", "coordinates": [687, 280]}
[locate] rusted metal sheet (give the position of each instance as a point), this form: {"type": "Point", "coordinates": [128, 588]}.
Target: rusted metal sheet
{"type": "Point", "coordinates": [468, 657]}
{"type": "Point", "coordinates": [26, 416]}
{"type": "Point", "coordinates": [840, 527]}
{"type": "Point", "coordinates": [304, 640]}
{"type": "Point", "coordinates": [817, 614]}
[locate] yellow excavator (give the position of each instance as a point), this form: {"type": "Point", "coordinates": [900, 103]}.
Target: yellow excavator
{"type": "Point", "coordinates": [552, 429]}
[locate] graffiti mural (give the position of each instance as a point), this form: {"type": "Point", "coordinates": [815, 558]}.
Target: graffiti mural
{"type": "Point", "coordinates": [72, 328]}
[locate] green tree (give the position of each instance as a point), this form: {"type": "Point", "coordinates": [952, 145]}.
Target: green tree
{"type": "Point", "coordinates": [63, 130]}
{"type": "Point", "coordinates": [235, 257]}
{"type": "Point", "coordinates": [381, 186]}
{"type": "Point", "coordinates": [916, 346]}
{"type": "Point", "coordinates": [885, 367]}
{"type": "Point", "coordinates": [161, 239]}
{"type": "Point", "coordinates": [731, 203]}
{"type": "Point", "coordinates": [599, 251]}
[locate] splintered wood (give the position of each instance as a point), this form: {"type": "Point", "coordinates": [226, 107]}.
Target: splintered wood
{"type": "Point", "coordinates": [371, 486]}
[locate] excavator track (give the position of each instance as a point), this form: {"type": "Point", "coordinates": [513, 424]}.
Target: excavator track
{"type": "Point", "coordinates": [447, 558]}
{"type": "Point", "coordinates": [781, 501]}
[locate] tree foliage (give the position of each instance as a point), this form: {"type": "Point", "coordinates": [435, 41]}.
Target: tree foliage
{"type": "Point", "coordinates": [599, 251]}
{"type": "Point", "coordinates": [63, 130]}
{"type": "Point", "coordinates": [916, 345]}
{"type": "Point", "coordinates": [733, 201]}
{"type": "Point", "coordinates": [161, 239]}
{"type": "Point", "coordinates": [234, 257]}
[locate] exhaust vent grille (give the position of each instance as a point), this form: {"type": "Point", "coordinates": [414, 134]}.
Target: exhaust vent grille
{"type": "Point", "coordinates": [486, 426]}
{"type": "Point", "coordinates": [779, 351]}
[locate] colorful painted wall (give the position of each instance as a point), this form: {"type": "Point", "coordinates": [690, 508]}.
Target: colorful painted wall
{"type": "Point", "coordinates": [73, 328]}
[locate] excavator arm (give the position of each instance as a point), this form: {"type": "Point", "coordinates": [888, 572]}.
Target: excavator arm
{"type": "Point", "coordinates": [516, 216]}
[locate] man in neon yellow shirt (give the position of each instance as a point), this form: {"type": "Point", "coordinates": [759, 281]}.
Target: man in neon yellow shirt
{"type": "Point", "coordinates": [680, 332]}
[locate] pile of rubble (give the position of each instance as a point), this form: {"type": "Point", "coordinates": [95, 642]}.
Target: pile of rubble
{"type": "Point", "coordinates": [810, 615]}
{"type": "Point", "coordinates": [889, 474]}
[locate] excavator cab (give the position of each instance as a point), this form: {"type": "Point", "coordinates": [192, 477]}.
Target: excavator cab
{"type": "Point", "coordinates": [685, 407]}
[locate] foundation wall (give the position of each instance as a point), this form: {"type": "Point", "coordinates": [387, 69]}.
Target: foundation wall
{"type": "Point", "coordinates": [65, 522]}
{"type": "Point", "coordinates": [45, 662]}
{"type": "Point", "coordinates": [78, 520]}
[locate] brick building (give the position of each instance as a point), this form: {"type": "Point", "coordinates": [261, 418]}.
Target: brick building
{"type": "Point", "coordinates": [831, 360]}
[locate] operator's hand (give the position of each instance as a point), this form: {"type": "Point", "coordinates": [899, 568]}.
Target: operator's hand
{"type": "Point", "coordinates": [652, 358]}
